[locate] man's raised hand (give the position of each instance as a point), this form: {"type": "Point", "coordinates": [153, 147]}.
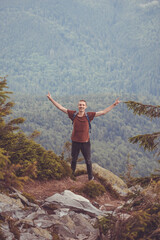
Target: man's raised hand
{"type": "Point", "coordinates": [49, 95]}
{"type": "Point", "coordinates": [116, 102]}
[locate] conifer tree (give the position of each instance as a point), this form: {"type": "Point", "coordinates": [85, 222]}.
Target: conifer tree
{"type": "Point", "coordinates": [21, 158]}
{"type": "Point", "coordinates": [150, 142]}
{"type": "Point", "coordinates": [5, 110]}
{"type": "Point", "coordinates": [8, 175]}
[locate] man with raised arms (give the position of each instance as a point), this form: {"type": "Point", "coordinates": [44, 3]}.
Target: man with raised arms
{"type": "Point", "coordinates": [80, 134]}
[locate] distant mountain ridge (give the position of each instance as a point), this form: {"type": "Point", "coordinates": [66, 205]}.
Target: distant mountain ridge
{"type": "Point", "coordinates": [80, 47]}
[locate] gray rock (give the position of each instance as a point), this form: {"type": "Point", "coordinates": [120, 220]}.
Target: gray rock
{"type": "Point", "coordinates": [33, 215]}
{"type": "Point", "coordinates": [13, 207]}
{"type": "Point", "coordinates": [76, 226]}
{"type": "Point", "coordinates": [74, 218]}
{"type": "Point", "coordinates": [136, 188]}
{"type": "Point", "coordinates": [30, 236]}
{"type": "Point", "coordinates": [9, 204]}
{"type": "Point", "coordinates": [23, 199]}
{"type": "Point", "coordinates": [45, 221]}
{"type": "Point", "coordinates": [42, 233]}
{"type": "Point", "coordinates": [73, 201]}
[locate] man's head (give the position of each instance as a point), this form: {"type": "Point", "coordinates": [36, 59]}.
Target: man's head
{"type": "Point", "coordinates": [82, 105]}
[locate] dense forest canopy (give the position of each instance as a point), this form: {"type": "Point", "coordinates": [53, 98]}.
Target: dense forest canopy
{"type": "Point", "coordinates": [80, 47]}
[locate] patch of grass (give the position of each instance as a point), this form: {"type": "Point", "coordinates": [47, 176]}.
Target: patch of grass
{"type": "Point", "coordinates": [92, 189]}
{"type": "Point", "coordinates": [108, 187]}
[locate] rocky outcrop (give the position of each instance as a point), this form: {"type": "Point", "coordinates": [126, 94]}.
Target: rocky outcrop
{"type": "Point", "coordinates": [117, 183]}
{"type": "Point", "coordinates": [74, 202]}
{"type": "Point", "coordinates": [64, 216]}
{"type": "Point", "coordinates": [67, 215]}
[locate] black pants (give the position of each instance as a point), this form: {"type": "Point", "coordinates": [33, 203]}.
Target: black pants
{"type": "Point", "coordinates": [85, 148]}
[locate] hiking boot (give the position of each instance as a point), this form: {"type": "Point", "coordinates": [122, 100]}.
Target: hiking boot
{"type": "Point", "coordinates": [91, 179]}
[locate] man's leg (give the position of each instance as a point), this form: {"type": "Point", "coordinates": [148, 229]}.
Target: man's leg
{"type": "Point", "coordinates": [75, 153]}
{"type": "Point", "coordinates": [86, 151]}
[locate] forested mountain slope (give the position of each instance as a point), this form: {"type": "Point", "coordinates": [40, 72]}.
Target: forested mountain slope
{"type": "Point", "coordinates": [109, 135]}
{"type": "Point", "coordinates": [97, 50]}
{"type": "Point", "coordinates": [80, 46]}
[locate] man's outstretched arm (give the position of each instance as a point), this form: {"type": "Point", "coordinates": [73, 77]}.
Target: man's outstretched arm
{"type": "Point", "coordinates": [106, 110]}
{"type": "Point", "coordinates": [59, 106]}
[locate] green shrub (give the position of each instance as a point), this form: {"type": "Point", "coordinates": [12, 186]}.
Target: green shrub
{"type": "Point", "coordinates": [66, 169]}
{"type": "Point", "coordinates": [9, 177]}
{"type": "Point", "coordinates": [105, 224]}
{"type": "Point", "coordinates": [93, 189]}
{"type": "Point", "coordinates": [108, 187]}
{"type": "Point", "coordinates": [50, 166]}
{"type": "Point", "coordinates": [142, 224]}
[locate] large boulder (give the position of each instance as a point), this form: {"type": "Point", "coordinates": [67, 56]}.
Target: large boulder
{"type": "Point", "coordinates": [75, 202]}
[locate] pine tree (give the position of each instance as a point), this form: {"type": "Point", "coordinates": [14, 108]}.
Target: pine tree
{"type": "Point", "coordinates": [21, 158]}
{"type": "Point", "coordinates": [5, 110]}
{"type": "Point", "coordinates": [150, 142]}
{"type": "Point", "coordinates": [8, 171]}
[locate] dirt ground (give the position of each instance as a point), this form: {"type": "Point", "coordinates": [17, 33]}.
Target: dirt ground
{"type": "Point", "coordinates": [43, 189]}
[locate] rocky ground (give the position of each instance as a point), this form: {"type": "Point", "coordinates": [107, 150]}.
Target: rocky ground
{"type": "Point", "coordinates": [43, 189]}
{"type": "Point", "coordinates": [61, 211]}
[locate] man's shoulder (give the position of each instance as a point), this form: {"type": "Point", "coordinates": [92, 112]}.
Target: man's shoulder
{"type": "Point", "coordinates": [91, 115]}
{"type": "Point", "coordinates": [71, 113]}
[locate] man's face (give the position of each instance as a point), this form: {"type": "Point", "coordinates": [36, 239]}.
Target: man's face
{"type": "Point", "coordinates": [82, 106]}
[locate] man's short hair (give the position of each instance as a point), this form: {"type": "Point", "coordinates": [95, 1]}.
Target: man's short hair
{"type": "Point", "coordinates": [82, 100]}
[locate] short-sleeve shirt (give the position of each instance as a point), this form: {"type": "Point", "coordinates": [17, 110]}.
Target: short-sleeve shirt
{"type": "Point", "coordinates": [80, 131]}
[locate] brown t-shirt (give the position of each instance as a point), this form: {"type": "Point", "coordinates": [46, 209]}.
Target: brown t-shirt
{"type": "Point", "coordinates": [80, 131]}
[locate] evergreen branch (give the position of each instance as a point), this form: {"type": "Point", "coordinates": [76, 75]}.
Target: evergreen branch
{"type": "Point", "coordinates": [147, 141]}
{"type": "Point", "coordinates": [16, 121]}
{"type": "Point", "coordinates": [150, 111]}
{"type": "Point", "coordinates": [3, 95]}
